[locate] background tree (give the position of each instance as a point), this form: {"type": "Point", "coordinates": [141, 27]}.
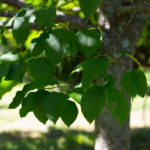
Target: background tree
{"type": "Point", "coordinates": [74, 36]}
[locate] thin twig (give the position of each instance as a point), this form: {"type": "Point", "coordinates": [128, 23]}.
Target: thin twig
{"type": "Point", "coordinates": [55, 87]}
{"type": "Point", "coordinates": [15, 3]}
{"type": "Point", "coordinates": [69, 1]}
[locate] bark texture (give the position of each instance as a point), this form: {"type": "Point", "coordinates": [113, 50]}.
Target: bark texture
{"type": "Point", "coordinates": [123, 34]}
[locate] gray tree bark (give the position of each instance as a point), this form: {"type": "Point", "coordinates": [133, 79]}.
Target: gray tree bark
{"type": "Point", "coordinates": [123, 34]}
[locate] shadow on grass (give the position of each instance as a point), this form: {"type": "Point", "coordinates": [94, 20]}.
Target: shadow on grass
{"type": "Point", "coordinates": [55, 139]}
{"type": "Point", "coordinates": [59, 139]}
{"type": "Point", "coordinates": [140, 139]}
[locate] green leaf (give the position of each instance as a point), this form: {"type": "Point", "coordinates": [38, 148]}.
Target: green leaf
{"type": "Point", "coordinates": [118, 105]}
{"type": "Point", "coordinates": [71, 42]}
{"type": "Point", "coordinates": [88, 6]}
{"type": "Point", "coordinates": [88, 41]}
{"type": "Point", "coordinates": [30, 14]}
{"type": "Point", "coordinates": [10, 21]}
{"type": "Point", "coordinates": [9, 57]}
{"type": "Point", "coordinates": [78, 68]}
{"type": "Point", "coordinates": [134, 83]}
{"type": "Point", "coordinates": [20, 29]}
{"type": "Point", "coordinates": [27, 104]}
{"type": "Point", "coordinates": [45, 17]}
{"type": "Point", "coordinates": [76, 94]}
{"type": "Point", "coordinates": [4, 68]}
{"type": "Point", "coordinates": [37, 46]}
{"type": "Point", "coordinates": [40, 83]}
{"type": "Point", "coordinates": [93, 102]}
{"type": "Point", "coordinates": [93, 69]}
{"type": "Point", "coordinates": [6, 86]}
{"type": "Point", "coordinates": [35, 102]}
{"type": "Point", "coordinates": [40, 68]}
{"type": "Point", "coordinates": [36, 84]}
{"type": "Point", "coordinates": [39, 111]}
{"type": "Point", "coordinates": [54, 105]}
{"type": "Point", "coordinates": [110, 82]}
{"type": "Point", "coordinates": [16, 71]}
{"type": "Point", "coordinates": [56, 46]}
{"type": "Point", "coordinates": [17, 99]}
{"type": "Point", "coordinates": [70, 112]}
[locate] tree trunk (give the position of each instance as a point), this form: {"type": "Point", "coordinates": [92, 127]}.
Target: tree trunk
{"type": "Point", "coordinates": [123, 34]}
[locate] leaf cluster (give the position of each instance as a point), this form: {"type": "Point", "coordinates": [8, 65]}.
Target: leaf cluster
{"type": "Point", "coordinates": [46, 53]}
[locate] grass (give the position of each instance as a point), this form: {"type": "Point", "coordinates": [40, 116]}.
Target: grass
{"type": "Point", "coordinates": [61, 139]}
{"type": "Point", "coordinates": [55, 139]}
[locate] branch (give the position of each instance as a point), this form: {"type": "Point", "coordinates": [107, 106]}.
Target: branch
{"type": "Point", "coordinates": [15, 3]}
{"type": "Point", "coordinates": [75, 21]}
{"type": "Point", "coordinates": [7, 14]}
{"type": "Point", "coordinates": [130, 9]}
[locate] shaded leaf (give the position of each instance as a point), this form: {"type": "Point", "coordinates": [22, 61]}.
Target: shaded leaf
{"type": "Point", "coordinates": [71, 42]}
{"type": "Point", "coordinates": [134, 83]}
{"type": "Point", "coordinates": [70, 112]}
{"type": "Point", "coordinates": [45, 17]}
{"type": "Point", "coordinates": [16, 71]}
{"type": "Point", "coordinates": [110, 82]}
{"type": "Point", "coordinates": [37, 84]}
{"type": "Point", "coordinates": [88, 6]}
{"type": "Point", "coordinates": [27, 104]}
{"type": "Point", "coordinates": [54, 104]}
{"type": "Point", "coordinates": [118, 105]}
{"type": "Point", "coordinates": [37, 46]}
{"type": "Point", "coordinates": [40, 68]}
{"type": "Point", "coordinates": [94, 68]}
{"type": "Point", "coordinates": [4, 68]}
{"type": "Point", "coordinates": [35, 102]}
{"type": "Point", "coordinates": [93, 102]}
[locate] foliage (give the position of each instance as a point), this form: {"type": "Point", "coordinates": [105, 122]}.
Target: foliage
{"type": "Point", "coordinates": [39, 63]}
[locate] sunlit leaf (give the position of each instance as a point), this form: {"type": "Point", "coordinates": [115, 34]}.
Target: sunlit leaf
{"type": "Point", "coordinates": [76, 94]}
{"type": "Point", "coordinates": [20, 29]}
{"type": "Point", "coordinates": [6, 86]}
{"type": "Point", "coordinates": [88, 41]}
{"type": "Point", "coordinates": [9, 58]}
